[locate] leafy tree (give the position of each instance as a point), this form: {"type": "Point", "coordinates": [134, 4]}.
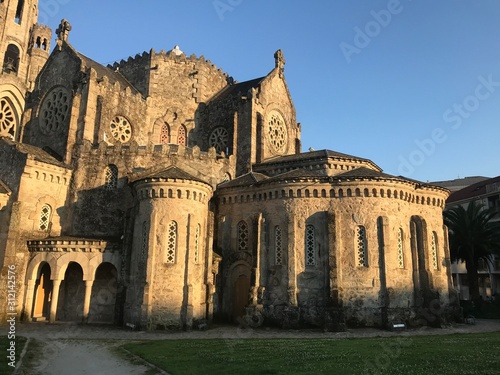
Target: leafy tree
{"type": "Point", "coordinates": [473, 235]}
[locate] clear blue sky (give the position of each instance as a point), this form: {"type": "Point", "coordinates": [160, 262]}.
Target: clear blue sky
{"type": "Point", "coordinates": [412, 85]}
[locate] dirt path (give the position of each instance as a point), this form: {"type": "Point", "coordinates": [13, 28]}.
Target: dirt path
{"type": "Point", "coordinates": [82, 357]}
{"type": "Point", "coordinates": [65, 348]}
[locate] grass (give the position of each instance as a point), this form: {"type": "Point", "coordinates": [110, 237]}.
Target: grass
{"type": "Point", "coordinates": [5, 369]}
{"type": "Point", "coordinates": [439, 354]}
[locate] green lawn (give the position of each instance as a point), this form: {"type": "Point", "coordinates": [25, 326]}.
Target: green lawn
{"type": "Point", "coordinates": [434, 355]}
{"type": "Point", "coordinates": [5, 369]}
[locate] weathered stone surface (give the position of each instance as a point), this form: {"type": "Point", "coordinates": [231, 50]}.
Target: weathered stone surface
{"type": "Point", "coordinates": [158, 192]}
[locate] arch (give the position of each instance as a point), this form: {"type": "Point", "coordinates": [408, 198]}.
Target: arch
{"type": "Point", "coordinates": [361, 247]}
{"type": "Point", "coordinates": [197, 240]}
{"type": "Point", "coordinates": [310, 242]}
{"type": "Point", "coordinates": [42, 292]}
{"type": "Point", "coordinates": [45, 218]}
{"type": "Point", "coordinates": [358, 192]}
{"type": "Point", "coordinates": [111, 177]}
{"type": "Point", "coordinates": [332, 193]}
{"type": "Point", "coordinates": [164, 134]}
{"type": "Point", "coordinates": [243, 236]}
{"type": "Point", "coordinates": [400, 244]}
{"type": "Point", "coordinates": [182, 136]}
{"type": "Point", "coordinates": [374, 192]}
{"type": "Point", "coordinates": [103, 295]}
{"type": "Point", "coordinates": [171, 250]}
{"type": "Point", "coordinates": [323, 193]}
{"type": "Point", "coordinates": [19, 11]}
{"type": "Point", "coordinates": [11, 59]}
{"type": "Point", "coordinates": [71, 293]}
{"type": "Point", "coordinates": [239, 289]}
{"type": "Point", "coordinates": [366, 192]}
{"type": "Point", "coordinates": [278, 246]}
{"type": "Point", "coordinates": [434, 251]}
{"type": "Point", "coordinates": [349, 192]}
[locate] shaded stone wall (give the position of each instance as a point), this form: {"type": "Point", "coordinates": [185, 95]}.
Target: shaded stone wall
{"type": "Point", "coordinates": [371, 293]}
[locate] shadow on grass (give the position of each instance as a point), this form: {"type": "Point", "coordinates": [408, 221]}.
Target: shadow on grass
{"type": "Point", "coordinates": [437, 354]}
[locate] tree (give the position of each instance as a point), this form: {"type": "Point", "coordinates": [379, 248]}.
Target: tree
{"type": "Point", "coordinates": [473, 235]}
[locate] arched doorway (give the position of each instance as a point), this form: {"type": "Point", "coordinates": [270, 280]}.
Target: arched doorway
{"type": "Point", "coordinates": [240, 297]}
{"type": "Point", "coordinates": [42, 293]}
{"type": "Point", "coordinates": [103, 297]}
{"type": "Point", "coordinates": [238, 289]}
{"type": "Point", "coordinates": [71, 294]}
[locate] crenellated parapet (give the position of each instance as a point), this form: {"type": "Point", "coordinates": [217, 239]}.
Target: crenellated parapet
{"type": "Point", "coordinates": [137, 162]}
{"type": "Point", "coordinates": [40, 38]}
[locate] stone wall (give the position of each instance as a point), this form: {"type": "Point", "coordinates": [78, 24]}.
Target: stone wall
{"type": "Point", "coordinates": [169, 273]}
{"type": "Point", "coordinates": [371, 293]}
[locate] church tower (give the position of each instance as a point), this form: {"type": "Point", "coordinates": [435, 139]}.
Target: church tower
{"type": "Point", "coordinates": [24, 49]}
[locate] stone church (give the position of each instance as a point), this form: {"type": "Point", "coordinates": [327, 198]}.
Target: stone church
{"type": "Point", "coordinates": [159, 192]}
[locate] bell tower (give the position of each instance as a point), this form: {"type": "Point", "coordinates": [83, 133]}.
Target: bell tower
{"type": "Point", "coordinates": [24, 49]}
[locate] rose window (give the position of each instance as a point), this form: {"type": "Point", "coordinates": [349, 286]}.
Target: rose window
{"type": "Point", "coordinates": [277, 133]}
{"type": "Point", "coordinates": [7, 118]}
{"type": "Point", "coordinates": [218, 139]}
{"type": "Point", "coordinates": [120, 129]}
{"type": "Point", "coordinates": [54, 110]}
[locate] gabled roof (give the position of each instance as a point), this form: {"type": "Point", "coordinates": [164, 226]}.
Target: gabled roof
{"type": "Point", "coordinates": [101, 70]}
{"type": "Point", "coordinates": [248, 179]}
{"type": "Point", "coordinates": [471, 191]}
{"type": "Point", "coordinates": [238, 88]}
{"type": "Point", "coordinates": [171, 172]}
{"type": "Point", "coordinates": [35, 152]}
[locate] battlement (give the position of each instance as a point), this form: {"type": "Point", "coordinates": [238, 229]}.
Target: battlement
{"type": "Point", "coordinates": [145, 58]}
{"type": "Point", "coordinates": [168, 150]}
{"type": "Point", "coordinates": [41, 28]}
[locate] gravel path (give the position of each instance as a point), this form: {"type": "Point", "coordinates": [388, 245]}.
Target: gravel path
{"type": "Point", "coordinates": [66, 348]}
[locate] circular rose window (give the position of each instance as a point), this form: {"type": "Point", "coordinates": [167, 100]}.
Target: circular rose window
{"type": "Point", "coordinates": [120, 129]}
{"type": "Point", "coordinates": [7, 118]}
{"type": "Point", "coordinates": [54, 110]}
{"type": "Point", "coordinates": [277, 133]}
{"type": "Point", "coordinates": [218, 139]}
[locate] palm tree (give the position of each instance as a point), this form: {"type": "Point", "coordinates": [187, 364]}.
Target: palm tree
{"type": "Point", "coordinates": [473, 236]}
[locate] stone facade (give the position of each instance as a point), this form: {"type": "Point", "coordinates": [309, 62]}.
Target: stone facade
{"type": "Point", "coordinates": [160, 192]}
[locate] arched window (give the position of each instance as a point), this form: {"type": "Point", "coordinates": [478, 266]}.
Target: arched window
{"type": "Point", "coordinates": [144, 244]}
{"type": "Point", "coordinates": [362, 259]}
{"type": "Point", "coordinates": [11, 59]}
{"type": "Point", "coordinates": [171, 242]}
{"type": "Point", "coordinates": [197, 244]}
{"type": "Point", "coordinates": [310, 240]}
{"type": "Point", "coordinates": [19, 11]}
{"type": "Point", "coordinates": [181, 136]}
{"type": "Point", "coordinates": [401, 259]}
{"type": "Point", "coordinates": [111, 177]}
{"type": "Point", "coordinates": [165, 134]}
{"type": "Point", "coordinates": [434, 256]}
{"type": "Point", "coordinates": [278, 245]}
{"type": "Point", "coordinates": [242, 236]}
{"type": "Point", "coordinates": [45, 214]}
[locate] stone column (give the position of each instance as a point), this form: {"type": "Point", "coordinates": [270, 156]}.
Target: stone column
{"type": "Point", "coordinates": [28, 302]}
{"type": "Point", "coordinates": [86, 300]}
{"type": "Point", "coordinates": [55, 297]}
